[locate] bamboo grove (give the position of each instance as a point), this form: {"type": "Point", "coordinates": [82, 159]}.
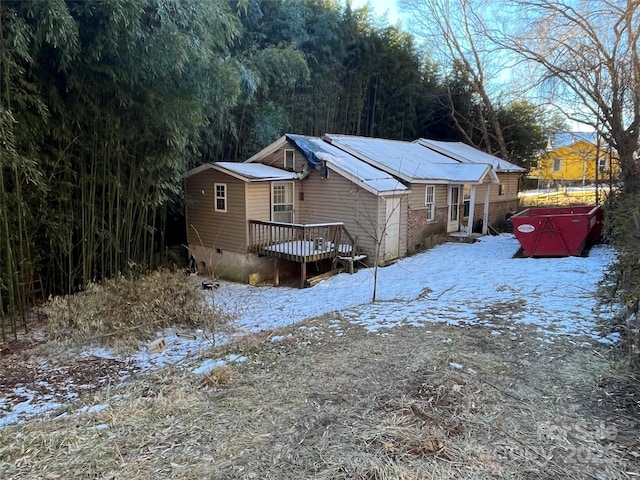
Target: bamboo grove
{"type": "Point", "coordinates": [100, 104]}
{"type": "Point", "coordinates": [105, 104]}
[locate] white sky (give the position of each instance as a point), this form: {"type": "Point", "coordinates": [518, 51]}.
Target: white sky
{"type": "Point", "coordinates": [380, 7]}
{"type": "Point", "coordinates": [455, 283]}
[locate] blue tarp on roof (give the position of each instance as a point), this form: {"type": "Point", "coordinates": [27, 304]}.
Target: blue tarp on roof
{"type": "Point", "coordinates": [307, 148]}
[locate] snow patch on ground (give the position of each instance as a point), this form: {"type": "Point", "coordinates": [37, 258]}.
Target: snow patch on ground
{"type": "Point", "coordinates": [210, 364]}
{"type": "Point", "coordinates": [455, 283]}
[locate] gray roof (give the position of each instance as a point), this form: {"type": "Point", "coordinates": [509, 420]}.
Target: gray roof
{"type": "Point", "coordinates": [468, 154]}
{"type": "Point", "coordinates": [256, 171]}
{"type": "Point", "coordinates": [249, 172]}
{"type": "Point", "coordinates": [411, 161]}
{"type": "Point", "coordinates": [371, 178]}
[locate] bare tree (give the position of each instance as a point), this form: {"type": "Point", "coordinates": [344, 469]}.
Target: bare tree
{"type": "Point", "coordinates": [586, 52]}
{"type": "Point", "coordinates": [457, 34]}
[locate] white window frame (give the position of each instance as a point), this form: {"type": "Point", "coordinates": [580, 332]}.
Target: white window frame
{"type": "Point", "coordinates": [556, 164]}
{"type": "Point", "coordinates": [289, 203]}
{"type": "Point", "coordinates": [603, 164]}
{"type": "Point", "coordinates": [501, 190]}
{"type": "Point", "coordinates": [289, 159]}
{"type": "Point", "coordinates": [430, 202]}
{"type": "Point", "coordinates": [466, 200]}
{"type": "Point", "coordinates": [222, 197]}
{"type": "Point", "coordinates": [454, 203]}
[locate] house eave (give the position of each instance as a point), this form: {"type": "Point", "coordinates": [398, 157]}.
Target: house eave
{"type": "Point", "coordinates": [253, 179]}
{"type": "Point", "coordinates": [363, 183]}
{"type": "Point", "coordinates": [269, 149]}
{"type": "Point", "coordinates": [198, 169]}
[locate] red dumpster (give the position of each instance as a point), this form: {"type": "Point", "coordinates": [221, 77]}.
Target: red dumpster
{"type": "Point", "coordinates": [556, 231]}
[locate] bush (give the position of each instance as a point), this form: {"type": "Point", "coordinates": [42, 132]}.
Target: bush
{"type": "Point", "coordinates": [123, 311]}
{"type": "Point", "coordinates": [623, 280]}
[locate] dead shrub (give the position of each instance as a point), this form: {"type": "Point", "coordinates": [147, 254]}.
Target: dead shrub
{"type": "Point", "coordinates": [218, 377]}
{"type": "Point", "coordinates": [122, 311]}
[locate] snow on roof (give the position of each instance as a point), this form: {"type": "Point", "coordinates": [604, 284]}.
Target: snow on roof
{"type": "Point", "coordinates": [371, 178]}
{"type": "Point", "coordinates": [468, 154]}
{"type": "Point", "coordinates": [569, 138]}
{"type": "Point", "coordinates": [410, 161]}
{"type": "Point", "coordinates": [254, 171]}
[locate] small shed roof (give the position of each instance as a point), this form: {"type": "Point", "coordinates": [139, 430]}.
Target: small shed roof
{"type": "Point", "coordinates": [248, 172]}
{"type": "Point", "coordinates": [411, 161]}
{"type": "Point", "coordinates": [468, 154]}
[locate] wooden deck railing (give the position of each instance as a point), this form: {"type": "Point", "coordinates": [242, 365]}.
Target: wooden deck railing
{"type": "Point", "coordinates": [300, 243]}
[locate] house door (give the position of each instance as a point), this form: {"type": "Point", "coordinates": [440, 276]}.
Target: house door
{"type": "Point", "coordinates": [282, 202]}
{"type": "Point", "coordinates": [392, 229]}
{"type": "Point", "coordinates": [453, 223]}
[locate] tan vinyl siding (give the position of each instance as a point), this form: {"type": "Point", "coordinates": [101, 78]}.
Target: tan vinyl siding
{"type": "Point", "coordinates": [418, 194]}
{"type": "Point", "coordinates": [276, 159]}
{"type": "Point", "coordinates": [259, 201]}
{"type": "Point", "coordinates": [205, 226]}
{"type": "Point", "coordinates": [199, 198]}
{"type": "Point", "coordinates": [499, 205]}
{"type": "Point", "coordinates": [509, 182]}
{"type": "Point", "coordinates": [336, 199]}
{"type": "Point", "coordinates": [380, 221]}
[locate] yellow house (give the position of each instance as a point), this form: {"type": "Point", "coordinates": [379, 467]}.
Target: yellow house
{"type": "Point", "coordinates": [574, 158]}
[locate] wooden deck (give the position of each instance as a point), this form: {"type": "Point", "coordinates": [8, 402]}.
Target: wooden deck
{"type": "Point", "coordinates": [301, 243]}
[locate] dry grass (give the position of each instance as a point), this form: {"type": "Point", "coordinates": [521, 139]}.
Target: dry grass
{"type": "Point", "coordinates": [558, 198]}
{"type": "Point", "coordinates": [123, 311]}
{"type": "Point", "coordinates": [313, 404]}
{"type": "Point", "coordinates": [218, 377]}
{"type": "Point", "coordinates": [561, 198]}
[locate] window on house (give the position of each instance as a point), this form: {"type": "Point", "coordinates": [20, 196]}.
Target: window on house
{"type": "Point", "coordinates": [282, 202]}
{"type": "Point", "coordinates": [430, 202]}
{"type": "Point", "coordinates": [557, 164]}
{"type": "Point", "coordinates": [602, 164]}
{"type": "Point", "coordinates": [500, 189]}
{"type": "Point", "coordinates": [290, 160]}
{"type": "Point", "coordinates": [466, 196]}
{"type": "Point", "coordinates": [221, 197]}
{"type": "Point", "coordinates": [454, 203]}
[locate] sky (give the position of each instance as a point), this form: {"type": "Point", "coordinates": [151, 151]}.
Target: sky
{"type": "Point", "coordinates": [380, 7]}
{"type": "Point", "coordinates": [459, 284]}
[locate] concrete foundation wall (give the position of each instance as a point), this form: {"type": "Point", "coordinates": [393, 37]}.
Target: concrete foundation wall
{"type": "Point", "coordinates": [238, 267]}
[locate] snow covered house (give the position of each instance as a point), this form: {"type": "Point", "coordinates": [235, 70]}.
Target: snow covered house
{"type": "Point", "coordinates": [502, 196]}
{"type": "Point", "coordinates": [453, 187]}
{"type": "Point", "coordinates": [308, 204]}
{"type": "Point", "coordinates": [298, 203]}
